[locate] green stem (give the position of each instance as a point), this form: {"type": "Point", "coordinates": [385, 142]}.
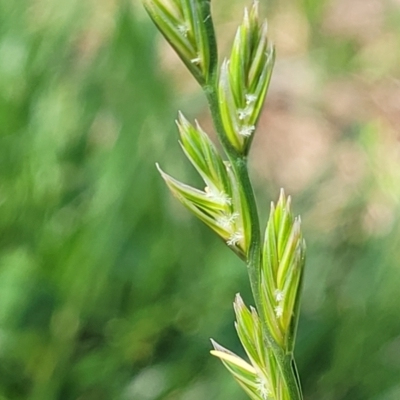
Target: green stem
{"type": "Point", "coordinates": [239, 164]}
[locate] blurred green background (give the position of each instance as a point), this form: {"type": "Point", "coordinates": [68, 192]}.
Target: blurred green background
{"type": "Point", "coordinates": [109, 289]}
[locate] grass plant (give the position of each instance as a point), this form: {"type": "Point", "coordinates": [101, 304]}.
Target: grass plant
{"type": "Point", "coordinates": [108, 289]}
{"type": "Point", "coordinates": [275, 260]}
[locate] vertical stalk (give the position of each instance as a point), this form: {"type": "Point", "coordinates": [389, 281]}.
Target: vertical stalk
{"type": "Point", "coordinates": [239, 164]}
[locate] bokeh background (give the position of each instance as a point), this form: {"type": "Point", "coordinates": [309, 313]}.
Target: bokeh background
{"type": "Point", "coordinates": [109, 289]}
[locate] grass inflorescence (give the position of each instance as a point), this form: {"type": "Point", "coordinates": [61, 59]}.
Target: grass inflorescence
{"type": "Point", "coordinates": [275, 261]}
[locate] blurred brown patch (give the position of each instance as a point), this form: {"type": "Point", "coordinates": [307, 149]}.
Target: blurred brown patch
{"type": "Point", "coordinates": [291, 148]}
{"type": "Point", "coordinates": [357, 19]}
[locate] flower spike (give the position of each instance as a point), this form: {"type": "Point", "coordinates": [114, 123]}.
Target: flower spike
{"type": "Point", "coordinates": [244, 80]}
{"type": "Point", "coordinates": [282, 271]}
{"type": "Point", "coordinates": [219, 204]}
{"type": "Point", "coordinates": [188, 27]}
